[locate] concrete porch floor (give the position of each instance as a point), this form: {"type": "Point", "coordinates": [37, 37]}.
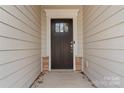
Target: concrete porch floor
{"type": "Point", "coordinates": [64, 79]}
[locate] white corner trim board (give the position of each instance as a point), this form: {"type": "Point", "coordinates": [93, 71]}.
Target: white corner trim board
{"type": "Point", "coordinates": [61, 13]}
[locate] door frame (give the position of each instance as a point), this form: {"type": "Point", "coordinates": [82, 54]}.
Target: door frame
{"type": "Point", "coordinates": [61, 14]}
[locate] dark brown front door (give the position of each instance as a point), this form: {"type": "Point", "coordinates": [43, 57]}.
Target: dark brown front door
{"type": "Point", "coordinates": [61, 43]}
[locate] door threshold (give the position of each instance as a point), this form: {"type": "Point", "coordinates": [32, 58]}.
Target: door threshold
{"type": "Point", "coordinates": [62, 70]}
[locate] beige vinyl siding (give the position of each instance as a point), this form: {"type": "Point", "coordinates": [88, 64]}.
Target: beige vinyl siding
{"type": "Point", "coordinates": [20, 43]}
{"type": "Point", "coordinates": [104, 45]}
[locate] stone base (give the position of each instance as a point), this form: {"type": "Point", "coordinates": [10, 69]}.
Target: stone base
{"type": "Point", "coordinates": [45, 64]}
{"type": "Point", "coordinates": [78, 63]}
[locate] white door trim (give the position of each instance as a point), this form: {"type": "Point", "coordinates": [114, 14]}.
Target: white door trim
{"type": "Point", "coordinates": [61, 13]}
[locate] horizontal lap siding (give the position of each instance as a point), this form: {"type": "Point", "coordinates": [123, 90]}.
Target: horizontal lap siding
{"type": "Point", "coordinates": [20, 51]}
{"type": "Point", "coordinates": [104, 45]}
